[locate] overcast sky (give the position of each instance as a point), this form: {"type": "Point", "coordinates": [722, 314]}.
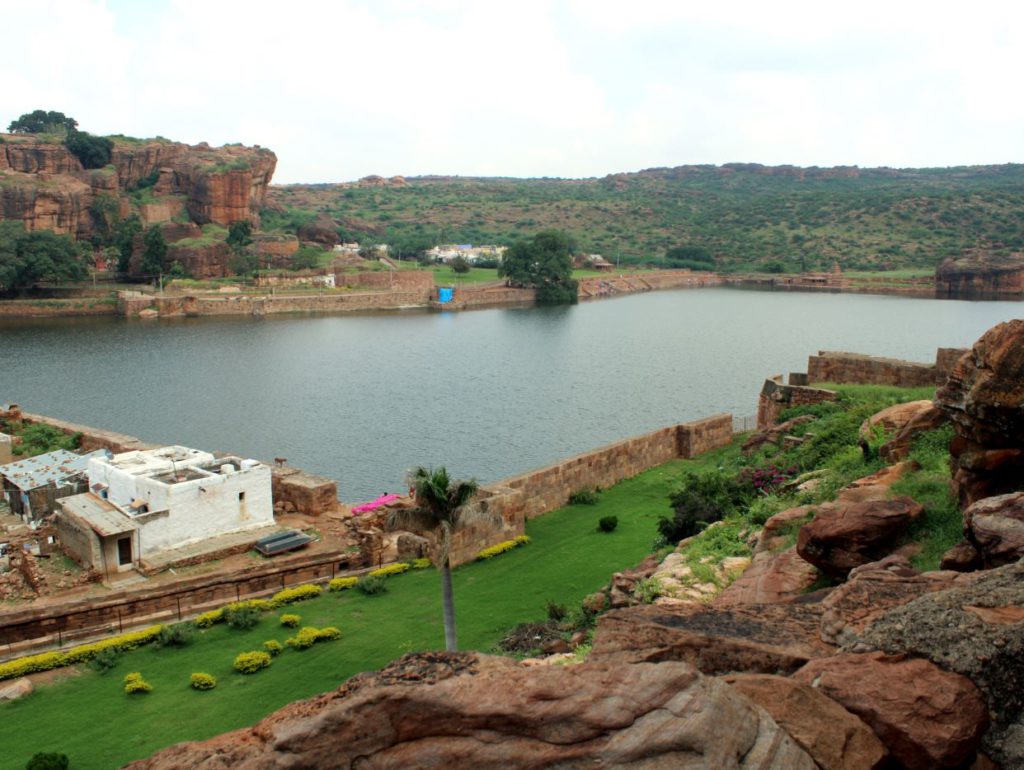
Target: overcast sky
{"type": "Point", "coordinates": [344, 88]}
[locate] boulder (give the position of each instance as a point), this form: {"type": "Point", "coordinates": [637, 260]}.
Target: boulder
{"type": "Point", "coordinates": [780, 530]}
{"type": "Point", "coordinates": [984, 397]}
{"type": "Point", "coordinates": [962, 557]}
{"type": "Point", "coordinates": [926, 717]}
{"type": "Point", "coordinates": [835, 738]}
{"type": "Point", "coordinates": [995, 525]}
{"type": "Point", "coordinates": [893, 418]}
{"type": "Point", "coordinates": [975, 628]}
{"type": "Point", "coordinates": [844, 536]}
{"type": "Point", "coordinates": [463, 710]}
{"type": "Point", "coordinates": [770, 579]}
{"type": "Point", "coordinates": [876, 486]}
{"type": "Point", "coordinates": [761, 638]}
{"type": "Point", "coordinates": [775, 433]}
{"type": "Point", "coordinates": [19, 688]}
{"type": "Point", "coordinates": [898, 447]}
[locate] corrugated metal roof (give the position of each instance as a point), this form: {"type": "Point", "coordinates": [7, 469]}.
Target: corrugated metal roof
{"type": "Point", "coordinates": [101, 516]}
{"type": "Point", "coordinates": [41, 470]}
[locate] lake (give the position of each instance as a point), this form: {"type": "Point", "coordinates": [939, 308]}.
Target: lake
{"type": "Point", "coordinates": [488, 393]}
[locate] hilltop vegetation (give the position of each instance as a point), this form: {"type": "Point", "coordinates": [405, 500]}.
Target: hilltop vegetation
{"type": "Point", "coordinates": [746, 215]}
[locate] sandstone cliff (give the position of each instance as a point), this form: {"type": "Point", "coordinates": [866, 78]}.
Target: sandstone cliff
{"type": "Point", "coordinates": [981, 274]}
{"type": "Point", "coordinates": [46, 187]}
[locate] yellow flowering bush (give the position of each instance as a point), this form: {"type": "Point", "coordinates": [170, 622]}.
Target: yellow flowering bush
{"type": "Point", "coordinates": [296, 594]}
{"type": "Point", "coordinates": [308, 636]}
{"type": "Point", "coordinates": [134, 684]}
{"type": "Point", "coordinates": [202, 681]}
{"type": "Point", "coordinates": [207, 619]}
{"type": "Point", "coordinates": [49, 660]}
{"type": "Point", "coordinates": [273, 647]}
{"type": "Point", "coordinates": [290, 621]}
{"type": "Point", "coordinates": [341, 583]}
{"type": "Point", "coordinates": [392, 569]}
{"type": "Point", "coordinates": [422, 563]}
{"type": "Point", "coordinates": [251, 662]}
{"type": "Point", "coordinates": [507, 545]}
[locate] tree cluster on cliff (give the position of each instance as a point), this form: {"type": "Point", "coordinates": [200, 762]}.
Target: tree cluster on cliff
{"type": "Point", "coordinates": [543, 262]}
{"type": "Point", "coordinates": [91, 151]}
{"type": "Point", "coordinates": [31, 257]}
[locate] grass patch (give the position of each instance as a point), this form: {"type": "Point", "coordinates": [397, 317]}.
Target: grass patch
{"type": "Point", "coordinates": [445, 276]}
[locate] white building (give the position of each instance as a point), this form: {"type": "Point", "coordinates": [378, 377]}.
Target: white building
{"type": "Point", "coordinates": [143, 502]}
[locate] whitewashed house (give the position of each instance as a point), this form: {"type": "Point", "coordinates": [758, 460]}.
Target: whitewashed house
{"type": "Point", "coordinates": [143, 502]}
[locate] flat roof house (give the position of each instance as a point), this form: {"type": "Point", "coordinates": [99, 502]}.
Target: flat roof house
{"type": "Point", "coordinates": [142, 503]}
{"type": "Point", "coordinates": [33, 485]}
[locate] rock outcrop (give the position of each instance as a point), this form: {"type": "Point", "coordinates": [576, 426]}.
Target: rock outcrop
{"type": "Point", "coordinates": [46, 187]}
{"type": "Point", "coordinates": [928, 718]}
{"type": "Point", "coordinates": [995, 525]}
{"type": "Point", "coordinates": [984, 397]}
{"type": "Point", "coordinates": [981, 274]}
{"type": "Point", "coordinates": [844, 536]}
{"type": "Point", "coordinates": [462, 710]}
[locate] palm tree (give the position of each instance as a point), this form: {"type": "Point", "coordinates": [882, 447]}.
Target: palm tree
{"type": "Point", "coordinates": [440, 509]}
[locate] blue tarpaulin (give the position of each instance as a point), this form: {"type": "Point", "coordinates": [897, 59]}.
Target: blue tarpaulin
{"type": "Point", "coordinates": [444, 295]}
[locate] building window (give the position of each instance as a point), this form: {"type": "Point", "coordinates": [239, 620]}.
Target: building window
{"type": "Point", "coordinates": [241, 497]}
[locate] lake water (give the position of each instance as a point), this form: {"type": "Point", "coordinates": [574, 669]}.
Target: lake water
{"type": "Point", "coordinates": [488, 393]}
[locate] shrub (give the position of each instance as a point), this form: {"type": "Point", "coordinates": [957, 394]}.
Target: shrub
{"type": "Point", "coordinates": [296, 594]}
{"type": "Point", "coordinates": [91, 151]}
{"type": "Point", "coordinates": [392, 569]}
{"type": "Point", "coordinates": [207, 619]}
{"type": "Point", "coordinates": [134, 684]}
{"type": "Point", "coordinates": [705, 498]}
{"type": "Point", "coordinates": [273, 647]}
{"type": "Point", "coordinates": [647, 590]}
{"type": "Point", "coordinates": [555, 611]}
{"type": "Point", "coordinates": [584, 497]}
{"type": "Point", "coordinates": [422, 563]}
{"type": "Point", "coordinates": [459, 265]}
{"type": "Point", "coordinates": [48, 760]}
{"type": "Point", "coordinates": [290, 621]}
{"type": "Point", "coordinates": [608, 523]}
{"type": "Point", "coordinates": [507, 545]}
{"type": "Point", "coordinates": [82, 654]}
{"type": "Point", "coordinates": [308, 636]}
{"type": "Point", "coordinates": [341, 583]}
{"type": "Point", "coordinates": [251, 662]}
{"type": "Point", "coordinates": [329, 634]}
{"type": "Point", "coordinates": [371, 585]}
{"type": "Point", "coordinates": [104, 661]}
{"type": "Point", "coordinates": [202, 681]}
{"type": "Point", "coordinates": [178, 635]}
{"type": "Point", "coordinates": [241, 616]}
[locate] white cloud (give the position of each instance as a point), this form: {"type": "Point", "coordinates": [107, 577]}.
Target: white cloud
{"type": "Point", "coordinates": [576, 88]}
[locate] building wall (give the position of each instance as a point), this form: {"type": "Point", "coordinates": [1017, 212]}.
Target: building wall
{"type": "Point", "coordinates": [81, 543]}
{"type": "Point", "coordinates": [6, 449]}
{"type": "Point", "coordinates": [776, 398]}
{"type": "Point", "coordinates": [204, 508]}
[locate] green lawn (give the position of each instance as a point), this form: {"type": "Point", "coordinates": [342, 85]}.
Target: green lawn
{"type": "Point", "coordinates": [445, 276]}
{"type": "Point", "coordinates": [89, 718]}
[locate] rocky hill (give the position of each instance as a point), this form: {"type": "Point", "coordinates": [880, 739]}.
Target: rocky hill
{"type": "Point", "coordinates": [177, 186]}
{"type": "Point", "coordinates": [747, 215]}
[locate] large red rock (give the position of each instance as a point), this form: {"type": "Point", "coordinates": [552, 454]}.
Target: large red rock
{"type": "Point", "coordinates": [835, 738]}
{"type": "Point", "coordinates": [898, 447]}
{"type": "Point", "coordinates": [984, 397]}
{"type": "Point", "coordinates": [772, 577]}
{"type": "Point", "coordinates": [761, 638]}
{"type": "Point", "coordinates": [841, 537]}
{"type": "Point", "coordinates": [927, 718]}
{"type": "Point", "coordinates": [893, 418]}
{"type": "Point", "coordinates": [450, 711]}
{"type": "Point", "coordinates": [996, 526]}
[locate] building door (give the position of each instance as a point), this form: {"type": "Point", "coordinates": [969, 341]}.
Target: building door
{"type": "Point", "coordinates": [124, 551]}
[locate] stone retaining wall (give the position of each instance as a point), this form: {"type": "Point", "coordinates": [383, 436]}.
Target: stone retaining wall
{"type": "Point", "coordinates": [776, 398]}
{"type": "Point", "coordinates": [858, 369]}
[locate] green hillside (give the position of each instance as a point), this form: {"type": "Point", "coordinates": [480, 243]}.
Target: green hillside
{"type": "Point", "coordinates": [747, 215]}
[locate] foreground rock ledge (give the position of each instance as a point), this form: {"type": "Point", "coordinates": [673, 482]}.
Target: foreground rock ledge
{"type": "Point", "coordinates": [462, 710]}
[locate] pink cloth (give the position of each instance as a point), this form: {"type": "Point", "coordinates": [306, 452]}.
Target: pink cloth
{"type": "Point", "coordinates": [382, 500]}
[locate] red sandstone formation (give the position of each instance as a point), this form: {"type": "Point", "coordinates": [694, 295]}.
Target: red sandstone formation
{"type": "Point", "coordinates": [981, 273]}
{"type": "Point", "coordinates": [928, 718]}
{"type": "Point", "coordinates": [995, 525]}
{"type": "Point", "coordinates": [461, 710]}
{"type": "Point", "coordinates": [46, 187]}
{"type": "Point", "coordinates": [842, 537]}
{"type": "Point", "coordinates": [984, 397]}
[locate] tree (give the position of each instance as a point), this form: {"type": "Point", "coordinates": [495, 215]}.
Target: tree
{"type": "Point", "coordinates": [306, 258]}
{"type": "Point", "coordinates": [543, 262]}
{"type": "Point", "coordinates": [91, 151]}
{"type": "Point", "coordinates": [42, 122]}
{"type": "Point", "coordinates": [460, 265]}
{"type": "Point", "coordinates": [124, 239]}
{"type": "Point", "coordinates": [696, 257]}
{"type": "Point", "coordinates": [240, 234]}
{"type": "Point", "coordinates": [441, 509]}
{"type": "Point", "coordinates": [154, 252]}
{"type": "Point", "coordinates": [29, 257]}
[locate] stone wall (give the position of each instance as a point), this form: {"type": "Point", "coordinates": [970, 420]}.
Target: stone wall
{"type": "Point", "coordinates": [28, 629]}
{"type": "Point", "coordinates": [857, 369]}
{"type": "Point", "coordinates": [776, 398]}
{"type": "Point", "coordinates": [92, 438]}
{"type": "Point", "coordinates": [295, 491]}
{"type": "Point", "coordinates": [387, 280]}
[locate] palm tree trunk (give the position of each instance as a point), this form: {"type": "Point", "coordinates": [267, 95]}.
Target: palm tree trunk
{"type": "Point", "coordinates": [451, 643]}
